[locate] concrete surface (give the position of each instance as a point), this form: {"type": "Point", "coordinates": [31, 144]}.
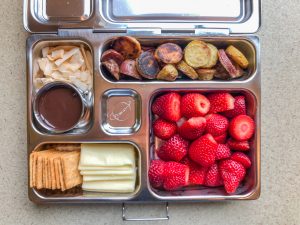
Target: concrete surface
{"type": "Point", "coordinates": [279, 202]}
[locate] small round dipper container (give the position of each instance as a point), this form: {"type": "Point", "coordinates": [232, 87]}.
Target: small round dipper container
{"type": "Point", "coordinates": [60, 107]}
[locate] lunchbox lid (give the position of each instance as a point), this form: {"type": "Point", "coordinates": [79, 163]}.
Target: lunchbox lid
{"type": "Point", "coordinates": [200, 16]}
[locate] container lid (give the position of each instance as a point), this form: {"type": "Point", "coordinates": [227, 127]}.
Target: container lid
{"type": "Point", "coordinates": [236, 16]}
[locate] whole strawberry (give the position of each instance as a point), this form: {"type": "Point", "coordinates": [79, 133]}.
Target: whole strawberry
{"type": "Point", "coordinates": [220, 102]}
{"type": "Point", "coordinates": [216, 124]}
{"type": "Point", "coordinates": [173, 149]}
{"type": "Point", "coordinates": [156, 173]}
{"type": "Point", "coordinates": [176, 176]}
{"type": "Point", "coordinates": [223, 152]}
{"type": "Point", "coordinates": [193, 128]}
{"type": "Point", "coordinates": [164, 129]}
{"type": "Point", "coordinates": [239, 107]}
{"type": "Point", "coordinates": [194, 105]}
{"type": "Point", "coordinates": [238, 145]}
{"type": "Point", "coordinates": [242, 159]}
{"type": "Point", "coordinates": [203, 150]}
{"type": "Point", "coordinates": [241, 127]}
{"type": "Point", "coordinates": [167, 106]}
{"type": "Point", "coordinates": [213, 177]}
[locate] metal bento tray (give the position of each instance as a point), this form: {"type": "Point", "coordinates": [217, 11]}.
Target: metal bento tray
{"type": "Point", "coordinates": [141, 94]}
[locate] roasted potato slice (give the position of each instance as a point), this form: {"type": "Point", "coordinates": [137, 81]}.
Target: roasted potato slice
{"type": "Point", "coordinates": [206, 74]}
{"type": "Point", "coordinates": [187, 70]}
{"type": "Point", "coordinates": [147, 65]}
{"type": "Point", "coordinates": [221, 73]}
{"type": "Point", "coordinates": [128, 68]}
{"type": "Point", "coordinates": [197, 54]}
{"type": "Point", "coordinates": [113, 68]}
{"type": "Point", "coordinates": [213, 59]}
{"type": "Point", "coordinates": [228, 65]}
{"type": "Point", "coordinates": [237, 56]}
{"type": "Point", "coordinates": [112, 54]}
{"type": "Point", "coordinates": [128, 47]}
{"type": "Point", "coordinates": [168, 72]}
{"type": "Point", "coordinates": [169, 53]}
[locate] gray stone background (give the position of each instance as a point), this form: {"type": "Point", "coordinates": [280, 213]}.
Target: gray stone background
{"type": "Point", "coordinates": [279, 202]}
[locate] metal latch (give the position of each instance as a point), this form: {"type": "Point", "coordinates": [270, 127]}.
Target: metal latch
{"type": "Point", "coordinates": [212, 32]}
{"type": "Point", "coordinates": [143, 31]}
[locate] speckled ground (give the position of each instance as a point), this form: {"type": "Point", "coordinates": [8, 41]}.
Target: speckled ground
{"type": "Point", "coordinates": [279, 202]}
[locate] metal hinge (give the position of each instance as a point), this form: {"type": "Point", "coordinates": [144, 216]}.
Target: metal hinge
{"type": "Point", "coordinates": [143, 31]}
{"type": "Point", "coordinates": [212, 32]}
{"type": "Point", "coordinates": [74, 32]}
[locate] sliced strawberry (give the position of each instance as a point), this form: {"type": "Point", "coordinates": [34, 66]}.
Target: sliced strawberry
{"type": "Point", "coordinates": [241, 127]}
{"type": "Point", "coordinates": [197, 172]}
{"type": "Point", "coordinates": [241, 158]}
{"type": "Point", "coordinates": [193, 128]}
{"type": "Point", "coordinates": [223, 152]}
{"type": "Point", "coordinates": [167, 107]}
{"type": "Point", "coordinates": [213, 177]}
{"type": "Point", "coordinates": [164, 129]}
{"type": "Point", "coordinates": [221, 139]}
{"type": "Point", "coordinates": [156, 173]}
{"type": "Point", "coordinates": [228, 65]}
{"type": "Point", "coordinates": [231, 182]}
{"type": "Point", "coordinates": [238, 145]}
{"type": "Point", "coordinates": [216, 124]}
{"type": "Point", "coordinates": [194, 105]}
{"type": "Point", "coordinates": [173, 149]}
{"type": "Point", "coordinates": [220, 102]}
{"type": "Point", "coordinates": [203, 150]}
{"type": "Point", "coordinates": [176, 175]}
{"type": "Point", "coordinates": [239, 107]}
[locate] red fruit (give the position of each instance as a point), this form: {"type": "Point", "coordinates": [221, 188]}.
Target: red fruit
{"type": "Point", "coordinates": [194, 105]}
{"type": "Point", "coordinates": [216, 124]}
{"type": "Point", "coordinates": [197, 172]}
{"type": "Point", "coordinates": [220, 102]}
{"type": "Point", "coordinates": [164, 129]}
{"type": "Point", "coordinates": [156, 173]}
{"type": "Point", "coordinates": [241, 127]}
{"type": "Point", "coordinates": [203, 150]}
{"type": "Point", "coordinates": [176, 175]}
{"type": "Point", "coordinates": [223, 152]}
{"type": "Point", "coordinates": [238, 145]}
{"type": "Point", "coordinates": [213, 177]}
{"type": "Point", "coordinates": [221, 139]}
{"type": "Point", "coordinates": [232, 173]}
{"type": "Point", "coordinates": [239, 107]}
{"type": "Point", "coordinates": [167, 107]}
{"type": "Point", "coordinates": [192, 128]}
{"type": "Point", "coordinates": [173, 149]}
{"type": "Point", "coordinates": [241, 158]}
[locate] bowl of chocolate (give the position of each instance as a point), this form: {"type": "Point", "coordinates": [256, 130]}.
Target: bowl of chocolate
{"type": "Point", "coordinates": [58, 107]}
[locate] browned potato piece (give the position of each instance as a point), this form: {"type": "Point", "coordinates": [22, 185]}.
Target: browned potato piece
{"type": "Point", "coordinates": [113, 68]}
{"type": "Point", "coordinates": [213, 59]}
{"type": "Point", "coordinates": [197, 54]}
{"type": "Point", "coordinates": [112, 54]}
{"type": "Point", "coordinates": [237, 56]}
{"type": "Point", "coordinates": [206, 74]}
{"type": "Point", "coordinates": [187, 70]}
{"type": "Point", "coordinates": [221, 72]}
{"type": "Point", "coordinates": [128, 47]}
{"type": "Point", "coordinates": [128, 68]}
{"type": "Point", "coordinates": [168, 72]}
{"type": "Point", "coordinates": [169, 53]}
{"type": "Point", "coordinates": [147, 65]}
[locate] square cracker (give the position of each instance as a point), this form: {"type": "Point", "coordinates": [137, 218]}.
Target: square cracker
{"type": "Point", "coordinates": [61, 175]}
{"type": "Point", "coordinates": [56, 160]}
{"type": "Point", "coordinates": [31, 170]}
{"type": "Point", "coordinates": [71, 173]}
{"type": "Point", "coordinates": [39, 172]}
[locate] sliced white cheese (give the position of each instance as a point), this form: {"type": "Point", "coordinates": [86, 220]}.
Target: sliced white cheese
{"type": "Point", "coordinates": [122, 186]}
{"type": "Point", "coordinates": [107, 177]}
{"type": "Point", "coordinates": [107, 155]}
{"type": "Point", "coordinates": [111, 168]}
{"type": "Point", "coordinates": [108, 172]}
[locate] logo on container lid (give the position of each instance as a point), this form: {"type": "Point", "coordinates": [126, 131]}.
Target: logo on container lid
{"type": "Point", "coordinates": [121, 111]}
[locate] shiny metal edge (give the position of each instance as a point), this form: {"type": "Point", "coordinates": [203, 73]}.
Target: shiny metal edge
{"type": "Point", "coordinates": [141, 137]}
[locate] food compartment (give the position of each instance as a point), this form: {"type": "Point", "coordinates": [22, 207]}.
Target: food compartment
{"type": "Point", "coordinates": [57, 66]}
{"type": "Point", "coordinates": [249, 187]}
{"type": "Point", "coordinates": [153, 59]}
{"type": "Point", "coordinates": [121, 111]}
{"type": "Point", "coordinates": [62, 172]}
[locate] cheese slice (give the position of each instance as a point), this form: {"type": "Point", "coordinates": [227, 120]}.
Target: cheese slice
{"type": "Point", "coordinates": [107, 155]}
{"type": "Point", "coordinates": [121, 186]}
{"type": "Point", "coordinates": [107, 177]}
{"type": "Point", "coordinates": [108, 172]}
{"type": "Point", "coordinates": [112, 168]}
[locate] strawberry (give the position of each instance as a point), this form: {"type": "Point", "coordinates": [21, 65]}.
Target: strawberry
{"type": "Point", "coordinates": [173, 149]}
{"type": "Point", "coordinates": [203, 150]}
{"type": "Point", "coordinates": [213, 176]}
{"type": "Point", "coordinates": [220, 102]}
{"type": "Point", "coordinates": [167, 106]}
{"type": "Point", "coordinates": [156, 173]}
{"type": "Point", "coordinates": [164, 129]}
{"type": "Point", "coordinates": [241, 127]}
{"type": "Point", "coordinates": [197, 172]}
{"type": "Point", "coordinates": [242, 159]}
{"type": "Point", "coordinates": [221, 139]}
{"type": "Point", "coordinates": [239, 107]}
{"type": "Point", "coordinates": [194, 105]}
{"type": "Point", "coordinates": [176, 175]}
{"type": "Point", "coordinates": [223, 152]}
{"type": "Point", "coordinates": [193, 128]}
{"type": "Point", "coordinates": [216, 124]}
{"type": "Point", "coordinates": [230, 182]}
{"type": "Point", "coordinates": [238, 145]}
